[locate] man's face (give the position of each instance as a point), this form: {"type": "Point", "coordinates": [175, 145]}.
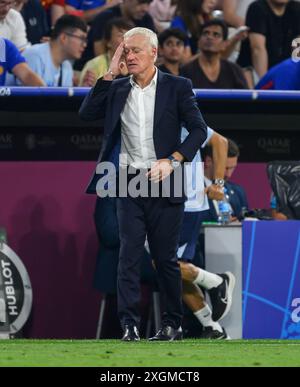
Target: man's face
{"type": "Point", "coordinates": [230, 167]}
{"type": "Point", "coordinates": [211, 40]}
{"type": "Point", "coordinates": [208, 6]}
{"type": "Point", "coordinates": [116, 38]}
{"type": "Point", "coordinates": [139, 54]}
{"type": "Point", "coordinates": [231, 164]}
{"type": "Point", "coordinates": [74, 43]}
{"type": "Point", "coordinates": [5, 6]}
{"type": "Point", "coordinates": [172, 50]}
{"type": "Point", "coordinates": [136, 10]}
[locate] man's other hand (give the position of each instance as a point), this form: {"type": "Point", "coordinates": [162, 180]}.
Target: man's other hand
{"type": "Point", "coordinates": [160, 170]}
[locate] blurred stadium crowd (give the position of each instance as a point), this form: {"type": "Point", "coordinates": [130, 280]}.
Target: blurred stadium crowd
{"type": "Point", "coordinates": [218, 44]}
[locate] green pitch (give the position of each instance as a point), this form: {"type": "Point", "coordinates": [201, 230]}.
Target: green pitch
{"type": "Point", "coordinates": [190, 352]}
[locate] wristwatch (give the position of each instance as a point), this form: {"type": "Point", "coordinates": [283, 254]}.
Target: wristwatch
{"type": "Point", "coordinates": [219, 182]}
{"type": "Point", "coordinates": [175, 163]}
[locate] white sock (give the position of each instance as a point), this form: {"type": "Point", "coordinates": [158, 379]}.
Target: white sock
{"type": "Point", "coordinates": [207, 280]}
{"type": "Point", "coordinates": [204, 316]}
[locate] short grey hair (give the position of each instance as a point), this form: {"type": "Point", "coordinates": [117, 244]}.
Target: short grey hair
{"type": "Point", "coordinates": [152, 37]}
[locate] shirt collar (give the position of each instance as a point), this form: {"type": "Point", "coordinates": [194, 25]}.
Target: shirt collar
{"type": "Point", "coordinates": [152, 83]}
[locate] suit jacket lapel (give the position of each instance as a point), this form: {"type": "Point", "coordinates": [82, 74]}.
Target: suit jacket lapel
{"type": "Point", "coordinates": [120, 97]}
{"type": "Point", "coordinates": [160, 98]}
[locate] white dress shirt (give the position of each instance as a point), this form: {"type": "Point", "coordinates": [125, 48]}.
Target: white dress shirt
{"type": "Point", "coordinates": [137, 119]}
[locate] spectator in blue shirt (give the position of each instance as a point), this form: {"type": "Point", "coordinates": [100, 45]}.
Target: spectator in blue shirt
{"type": "Point", "coordinates": [51, 60]}
{"type": "Point", "coordinates": [11, 60]}
{"type": "Point", "coordinates": [284, 76]}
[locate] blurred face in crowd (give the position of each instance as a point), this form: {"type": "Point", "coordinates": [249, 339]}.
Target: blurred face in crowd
{"type": "Point", "coordinates": [279, 2]}
{"type": "Point", "coordinates": [231, 164]}
{"type": "Point", "coordinates": [230, 167]}
{"type": "Point", "coordinates": [139, 54]}
{"type": "Point", "coordinates": [211, 40]}
{"type": "Point", "coordinates": [208, 6]}
{"type": "Point", "coordinates": [74, 43]}
{"type": "Point", "coordinates": [5, 6]}
{"type": "Point", "coordinates": [116, 38]}
{"type": "Point", "coordinates": [172, 50]}
{"type": "Point", "coordinates": [135, 9]}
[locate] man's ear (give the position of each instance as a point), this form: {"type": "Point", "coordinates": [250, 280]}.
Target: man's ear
{"type": "Point", "coordinates": [62, 37]}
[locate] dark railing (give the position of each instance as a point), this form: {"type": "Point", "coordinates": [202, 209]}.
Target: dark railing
{"type": "Point", "coordinates": [43, 124]}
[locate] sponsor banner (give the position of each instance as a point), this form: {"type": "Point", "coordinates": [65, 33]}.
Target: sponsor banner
{"type": "Point", "coordinates": [49, 144]}
{"type": "Point", "coordinates": [271, 286]}
{"type": "Point", "coordinates": [15, 292]}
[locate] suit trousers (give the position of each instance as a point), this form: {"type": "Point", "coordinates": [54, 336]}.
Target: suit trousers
{"type": "Point", "coordinates": [159, 220]}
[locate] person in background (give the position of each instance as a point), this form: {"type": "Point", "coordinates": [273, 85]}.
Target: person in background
{"type": "Point", "coordinates": [97, 67]}
{"type": "Point", "coordinates": [12, 26]}
{"type": "Point", "coordinates": [54, 10]}
{"type": "Point", "coordinates": [171, 50]}
{"type": "Point", "coordinates": [275, 211]}
{"type": "Point", "coordinates": [11, 60]}
{"type": "Point", "coordinates": [276, 78]}
{"type": "Point", "coordinates": [209, 70]}
{"type": "Point", "coordinates": [218, 286]}
{"type": "Point", "coordinates": [190, 15]}
{"type": "Point", "coordinates": [35, 19]}
{"type": "Point", "coordinates": [234, 11]}
{"type": "Point", "coordinates": [88, 10]}
{"type": "Point", "coordinates": [135, 11]}
{"type": "Point", "coordinates": [273, 24]}
{"type": "Point", "coordinates": [162, 12]}
{"type": "Point", "coordinates": [51, 60]}
{"type": "Point", "coordinates": [236, 193]}
{"type": "Point", "coordinates": [57, 9]}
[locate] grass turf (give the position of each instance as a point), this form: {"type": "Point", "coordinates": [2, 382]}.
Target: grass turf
{"type": "Point", "coordinates": [110, 353]}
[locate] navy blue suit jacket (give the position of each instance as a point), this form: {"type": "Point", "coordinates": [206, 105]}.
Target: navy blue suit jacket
{"type": "Point", "coordinates": [175, 105]}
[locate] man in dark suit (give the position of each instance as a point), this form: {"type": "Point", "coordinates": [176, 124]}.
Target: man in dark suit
{"type": "Point", "coordinates": [143, 116]}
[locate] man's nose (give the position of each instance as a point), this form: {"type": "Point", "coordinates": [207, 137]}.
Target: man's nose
{"type": "Point", "coordinates": [129, 56]}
